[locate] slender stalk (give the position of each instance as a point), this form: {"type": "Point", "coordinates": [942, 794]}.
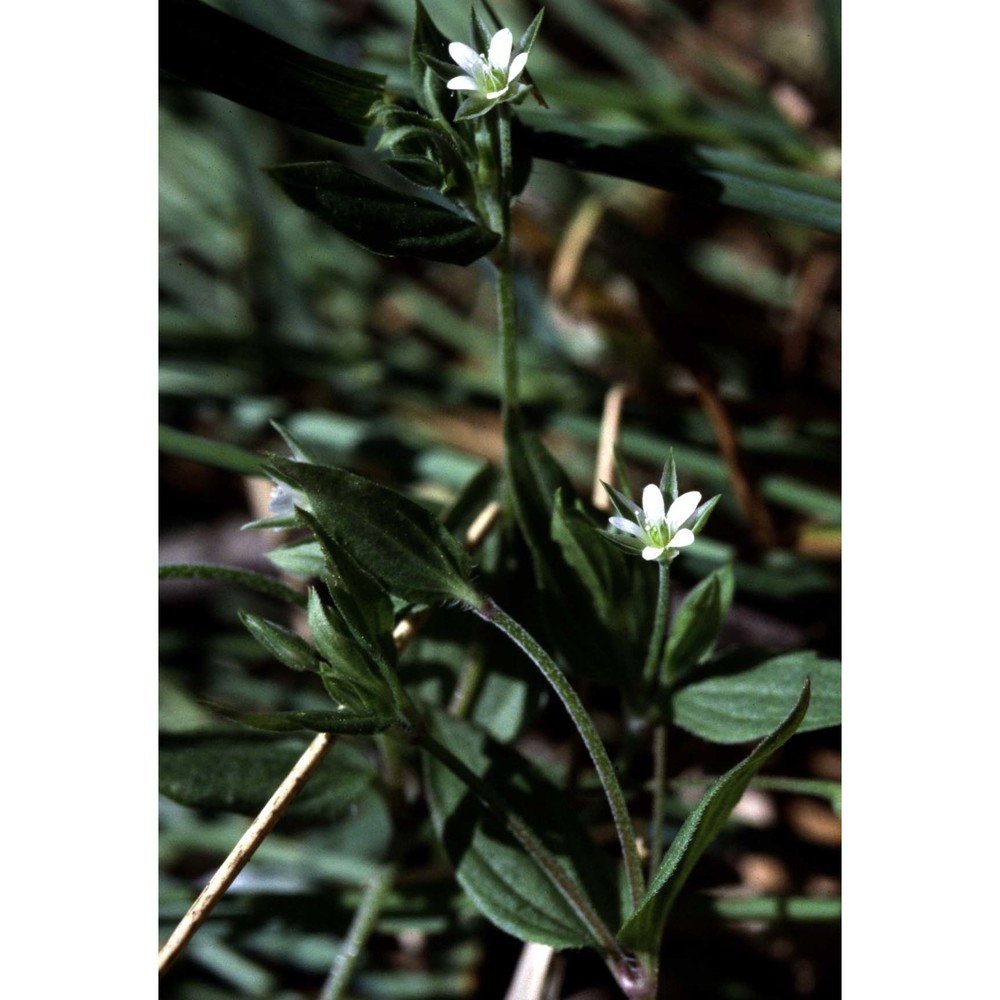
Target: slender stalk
{"type": "Point", "coordinates": [545, 860]}
{"type": "Point", "coordinates": [654, 656]}
{"type": "Point", "coordinates": [361, 927]}
{"type": "Point", "coordinates": [244, 849]}
{"type": "Point", "coordinates": [492, 613]}
{"type": "Point", "coordinates": [506, 303]}
{"type": "Point", "coordinates": [659, 788]}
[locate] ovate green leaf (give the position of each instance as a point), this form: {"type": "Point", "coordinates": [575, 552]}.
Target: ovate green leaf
{"type": "Point", "coordinates": [698, 621]}
{"type": "Point", "coordinates": [380, 219]}
{"type": "Point", "coordinates": [399, 544]}
{"type": "Point", "coordinates": [741, 694]}
{"type": "Point", "coordinates": [501, 879]}
{"type": "Point", "coordinates": [644, 928]}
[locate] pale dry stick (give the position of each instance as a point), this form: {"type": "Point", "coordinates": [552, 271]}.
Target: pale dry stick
{"type": "Point", "coordinates": [754, 509]}
{"type": "Point", "coordinates": [532, 972]}
{"type": "Point", "coordinates": [287, 790]}
{"type": "Point", "coordinates": [244, 849]}
{"type": "Point", "coordinates": [611, 419]}
{"type": "Point", "coordinates": [569, 254]}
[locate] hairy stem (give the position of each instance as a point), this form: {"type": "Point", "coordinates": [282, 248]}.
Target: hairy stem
{"type": "Point", "coordinates": [506, 304]}
{"type": "Point", "coordinates": [654, 656]}
{"type": "Point", "coordinates": [659, 789]}
{"type": "Point", "coordinates": [491, 612]}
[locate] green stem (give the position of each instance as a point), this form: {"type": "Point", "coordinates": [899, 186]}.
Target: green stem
{"type": "Point", "coordinates": [659, 794]}
{"type": "Point", "coordinates": [491, 612]}
{"type": "Point", "coordinates": [545, 860]}
{"type": "Point", "coordinates": [361, 927]}
{"type": "Point", "coordinates": [506, 303]}
{"type": "Point", "coordinates": [654, 657]}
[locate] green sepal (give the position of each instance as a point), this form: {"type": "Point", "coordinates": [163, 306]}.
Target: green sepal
{"type": "Point", "coordinates": [624, 506]}
{"type": "Point", "coordinates": [363, 604]}
{"type": "Point", "coordinates": [480, 32]}
{"type": "Point", "coordinates": [380, 219]}
{"type": "Point", "coordinates": [299, 451]}
{"type": "Point", "coordinates": [644, 929]}
{"type": "Point", "coordinates": [404, 548]}
{"type": "Point", "coordinates": [702, 513]}
{"type": "Point", "coordinates": [474, 106]}
{"type": "Point", "coordinates": [429, 58]}
{"type": "Point", "coordinates": [668, 479]}
{"type": "Point", "coordinates": [282, 643]}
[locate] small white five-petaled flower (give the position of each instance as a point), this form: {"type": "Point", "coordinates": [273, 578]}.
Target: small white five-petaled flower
{"type": "Point", "coordinates": [490, 76]}
{"type": "Point", "coordinates": [662, 531]}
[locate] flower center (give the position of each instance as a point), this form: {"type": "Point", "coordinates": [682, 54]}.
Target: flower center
{"type": "Point", "coordinates": [658, 534]}
{"type": "Point", "coordinates": [490, 78]}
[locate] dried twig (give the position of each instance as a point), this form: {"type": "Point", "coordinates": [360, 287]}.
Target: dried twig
{"type": "Point", "coordinates": [244, 849]}
{"type": "Point", "coordinates": [611, 419]}
{"type": "Point", "coordinates": [754, 509]}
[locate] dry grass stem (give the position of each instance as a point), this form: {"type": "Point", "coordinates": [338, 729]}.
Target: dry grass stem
{"type": "Point", "coordinates": [611, 419]}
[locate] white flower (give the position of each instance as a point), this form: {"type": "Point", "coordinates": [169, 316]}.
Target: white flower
{"type": "Point", "coordinates": [661, 532]}
{"type": "Point", "coordinates": [489, 77]}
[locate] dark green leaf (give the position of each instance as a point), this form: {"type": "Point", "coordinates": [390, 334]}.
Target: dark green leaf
{"type": "Point", "coordinates": [239, 771]}
{"type": "Point", "coordinates": [281, 642]}
{"type": "Point", "coordinates": [588, 640]}
{"type": "Point", "coordinates": [714, 175]}
{"type": "Point", "coordinates": [599, 567]}
{"type": "Point", "coordinates": [230, 574]}
{"type": "Point", "coordinates": [643, 930]}
{"type": "Point", "coordinates": [501, 879]}
{"type": "Point", "coordinates": [535, 478]}
{"type": "Point", "coordinates": [380, 219]}
{"type": "Point", "coordinates": [698, 621]}
{"type": "Point", "coordinates": [352, 679]}
{"type": "Point", "coordinates": [210, 49]}
{"type": "Point", "coordinates": [344, 721]}
{"type": "Point", "coordinates": [214, 453]}
{"type": "Point", "coordinates": [363, 605]}
{"type": "Point", "coordinates": [398, 543]}
{"type": "Point", "coordinates": [740, 695]}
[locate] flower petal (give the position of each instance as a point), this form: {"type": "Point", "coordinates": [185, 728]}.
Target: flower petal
{"type": "Point", "coordinates": [462, 83]}
{"type": "Point", "coordinates": [651, 552]}
{"type": "Point", "coordinates": [497, 93]}
{"type": "Point", "coordinates": [517, 64]}
{"type": "Point", "coordinates": [682, 508]}
{"type": "Point", "coordinates": [683, 538]}
{"type": "Point", "coordinates": [652, 504]}
{"type": "Point", "coordinates": [500, 46]}
{"type": "Point", "coordinates": [630, 526]}
{"type": "Point", "coordinates": [465, 57]}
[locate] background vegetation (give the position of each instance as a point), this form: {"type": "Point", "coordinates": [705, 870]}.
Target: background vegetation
{"type": "Point", "coordinates": [712, 299]}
